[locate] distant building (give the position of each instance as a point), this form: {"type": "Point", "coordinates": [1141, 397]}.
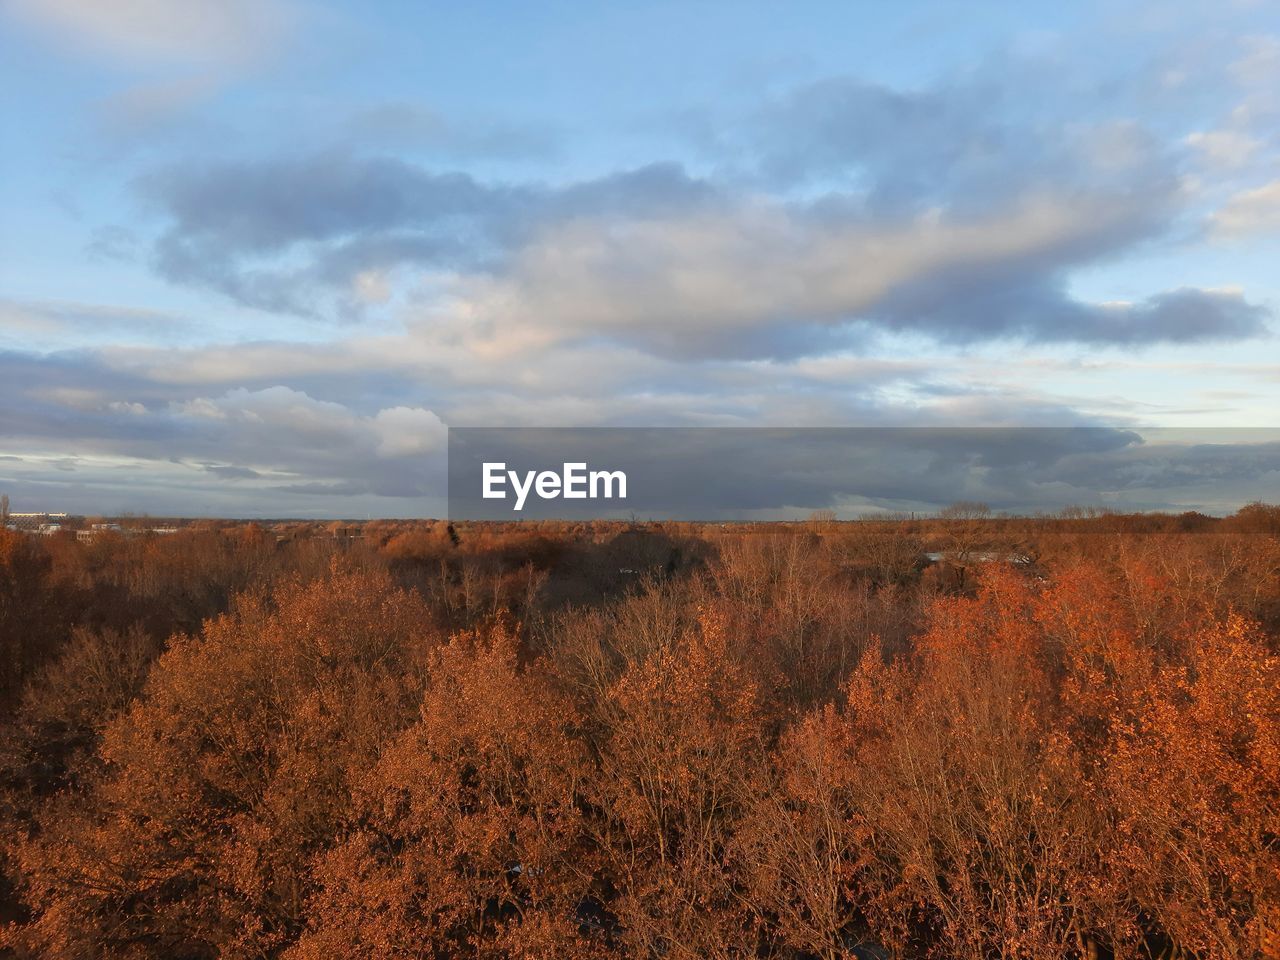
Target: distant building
{"type": "Point", "coordinates": [96, 530]}
{"type": "Point", "coordinates": [34, 522]}
{"type": "Point", "coordinates": [51, 523]}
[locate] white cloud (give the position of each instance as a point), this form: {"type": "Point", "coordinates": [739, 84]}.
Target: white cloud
{"type": "Point", "coordinates": [51, 324]}
{"type": "Point", "coordinates": [1227, 149]}
{"type": "Point", "coordinates": [1258, 68]}
{"type": "Point", "coordinates": [280, 427]}
{"type": "Point", "coordinates": [76, 398]}
{"type": "Point", "coordinates": [698, 285]}
{"type": "Point", "coordinates": [372, 286]}
{"type": "Point", "coordinates": [208, 32]}
{"type": "Point", "coordinates": [1249, 212]}
{"type": "Point", "coordinates": [407, 431]}
{"type": "Point", "coordinates": [279, 409]}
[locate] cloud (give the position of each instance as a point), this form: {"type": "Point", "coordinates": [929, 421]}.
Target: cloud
{"type": "Point", "coordinates": [143, 111]}
{"type": "Point", "coordinates": [837, 252]}
{"type": "Point", "coordinates": [262, 439]}
{"type": "Point", "coordinates": [774, 281]}
{"type": "Point", "coordinates": [281, 234]}
{"type": "Point", "coordinates": [344, 489]}
{"type": "Point", "coordinates": [852, 211]}
{"type": "Point", "coordinates": [193, 32]}
{"type": "Point", "coordinates": [675, 264]}
{"type": "Point", "coordinates": [366, 435]}
{"type": "Point", "coordinates": [50, 324]}
{"type": "Point", "coordinates": [951, 143]}
{"type": "Point", "coordinates": [1044, 313]}
{"type": "Point", "coordinates": [413, 126]}
{"type": "Point", "coordinates": [1258, 66]}
{"type": "Point", "coordinates": [1230, 149]}
{"type": "Point", "coordinates": [112, 242]}
{"type": "Point", "coordinates": [1249, 212]}
{"type": "Point", "coordinates": [407, 431]}
{"type": "Point", "coordinates": [231, 472]}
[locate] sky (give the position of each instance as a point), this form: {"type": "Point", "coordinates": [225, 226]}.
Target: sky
{"type": "Point", "coordinates": [257, 255]}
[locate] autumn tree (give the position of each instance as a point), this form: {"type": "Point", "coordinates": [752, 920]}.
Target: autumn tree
{"type": "Point", "coordinates": [802, 845]}
{"type": "Point", "coordinates": [1195, 779]}
{"type": "Point", "coordinates": [973, 823]}
{"type": "Point", "coordinates": [221, 784]}
{"type": "Point", "coordinates": [723, 741]}
{"type": "Point", "coordinates": [467, 838]}
{"type": "Point", "coordinates": [684, 734]}
{"type": "Point", "coordinates": [29, 614]}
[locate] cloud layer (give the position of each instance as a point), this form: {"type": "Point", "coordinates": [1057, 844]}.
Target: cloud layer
{"type": "Point", "coordinates": [849, 209]}
{"type": "Point", "coordinates": [280, 295]}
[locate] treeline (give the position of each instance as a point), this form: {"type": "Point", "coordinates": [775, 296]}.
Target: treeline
{"type": "Point", "coordinates": [1059, 737]}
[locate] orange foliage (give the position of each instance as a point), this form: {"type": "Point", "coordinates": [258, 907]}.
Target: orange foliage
{"type": "Point", "coordinates": [233, 768]}
{"type": "Point", "coordinates": [683, 738]}
{"type": "Point", "coordinates": [467, 828]}
{"type": "Point", "coordinates": [1063, 740]}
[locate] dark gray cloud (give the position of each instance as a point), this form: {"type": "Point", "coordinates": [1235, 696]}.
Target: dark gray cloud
{"type": "Point", "coordinates": [1044, 312]}
{"type": "Point", "coordinates": [957, 144]}
{"type": "Point", "coordinates": [232, 225]}
{"type": "Point", "coordinates": [970, 138]}
{"type": "Point", "coordinates": [264, 207]}
{"type": "Point", "coordinates": [279, 234]}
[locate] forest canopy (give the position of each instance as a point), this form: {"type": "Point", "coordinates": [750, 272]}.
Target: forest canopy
{"type": "Point", "coordinates": [965, 736]}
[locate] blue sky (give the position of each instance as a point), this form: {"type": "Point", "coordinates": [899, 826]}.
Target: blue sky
{"type": "Point", "coordinates": [255, 254]}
